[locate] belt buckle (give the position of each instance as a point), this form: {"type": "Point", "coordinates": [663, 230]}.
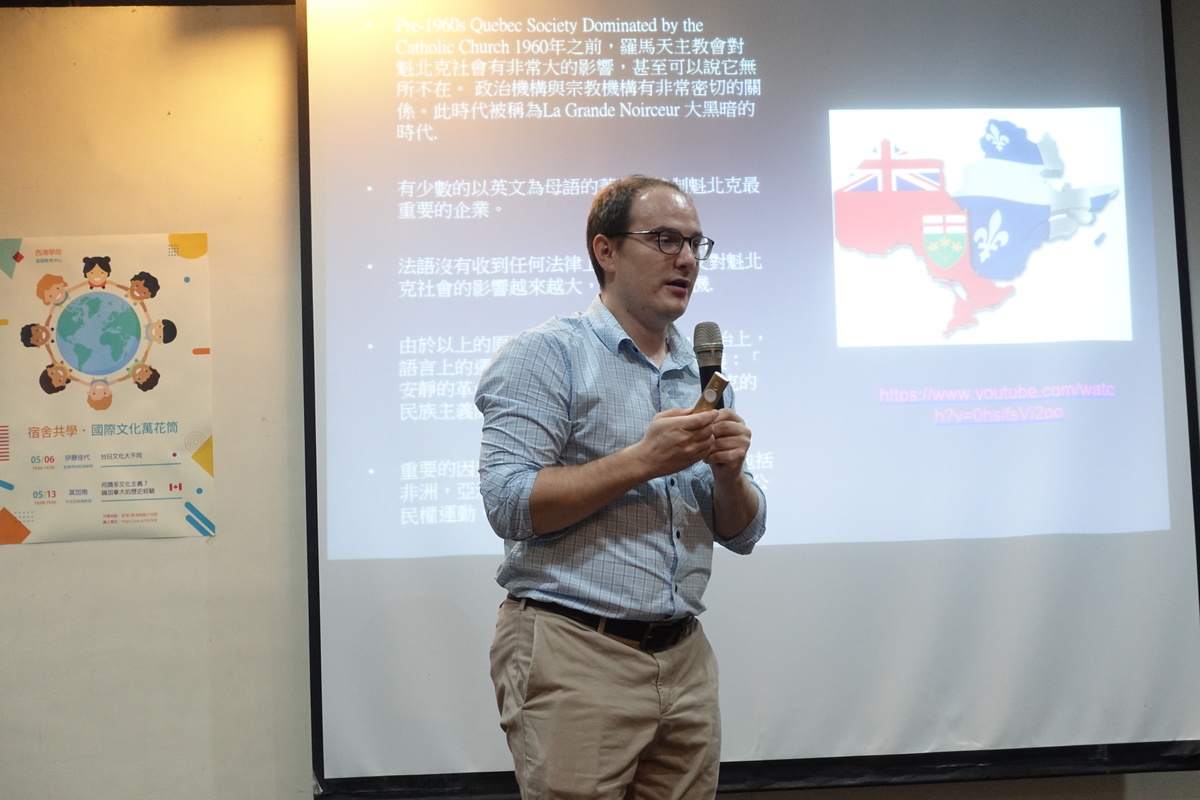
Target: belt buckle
{"type": "Point", "coordinates": [662, 635]}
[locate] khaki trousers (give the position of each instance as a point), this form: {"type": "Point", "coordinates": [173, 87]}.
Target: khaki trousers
{"type": "Point", "coordinates": [591, 716]}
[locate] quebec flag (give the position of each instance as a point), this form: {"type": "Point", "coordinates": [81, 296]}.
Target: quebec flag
{"type": "Point", "coordinates": [1011, 206]}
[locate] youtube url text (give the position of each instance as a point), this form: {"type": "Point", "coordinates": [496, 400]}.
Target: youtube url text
{"type": "Point", "coordinates": [1004, 404]}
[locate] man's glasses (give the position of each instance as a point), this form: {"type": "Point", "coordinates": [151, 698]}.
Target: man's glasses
{"type": "Point", "coordinates": [671, 242]}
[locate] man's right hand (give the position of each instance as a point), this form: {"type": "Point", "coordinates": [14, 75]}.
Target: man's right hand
{"type": "Point", "coordinates": [675, 439]}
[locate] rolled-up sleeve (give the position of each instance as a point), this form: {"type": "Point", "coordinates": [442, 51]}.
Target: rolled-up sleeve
{"type": "Point", "coordinates": [744, 542]}
{"type": "Point", "coordinates": [524, 396]}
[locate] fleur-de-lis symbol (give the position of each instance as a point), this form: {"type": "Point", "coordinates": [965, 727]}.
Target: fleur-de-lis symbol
{"type": "Point", "coordinates": [992, 238]}
{"type": "Point", "coordinates": [996, 138]}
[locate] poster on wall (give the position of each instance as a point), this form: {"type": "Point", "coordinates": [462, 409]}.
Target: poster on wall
{"type": "Point", "coordinates": [106, 405]}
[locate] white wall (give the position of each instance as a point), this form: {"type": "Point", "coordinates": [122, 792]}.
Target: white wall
{"type": "Point", "coordinates": [175, 668]}
{"type": "Point", "coordinates": [179, 668]}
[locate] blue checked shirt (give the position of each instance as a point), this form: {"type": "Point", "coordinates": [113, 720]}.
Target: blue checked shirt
{"type": "Point", "coordinates": [568, 392]}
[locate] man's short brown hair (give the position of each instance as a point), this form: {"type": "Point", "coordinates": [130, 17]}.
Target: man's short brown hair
{"type": "Point", "coordinates": [609, 215]}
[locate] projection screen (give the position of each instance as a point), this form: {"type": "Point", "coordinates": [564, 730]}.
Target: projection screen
{"type": "Point", "coordinates": [948, 285]}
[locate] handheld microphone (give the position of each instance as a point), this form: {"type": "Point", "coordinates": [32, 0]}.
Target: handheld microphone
{"type": "Point", "coordinates": [709, 347]}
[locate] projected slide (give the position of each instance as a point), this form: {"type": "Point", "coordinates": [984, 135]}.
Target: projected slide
{"type": "Point", "coordinates": [457, 173]}
{"type": "Point", "coordinates": [947, 286]}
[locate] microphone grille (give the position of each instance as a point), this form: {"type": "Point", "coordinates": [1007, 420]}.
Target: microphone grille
{"type": "Point", "coordinates": [707, 337]}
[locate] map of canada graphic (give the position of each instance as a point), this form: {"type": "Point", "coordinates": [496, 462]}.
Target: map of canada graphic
{"type": "Point", "coordinates": [975, 230]}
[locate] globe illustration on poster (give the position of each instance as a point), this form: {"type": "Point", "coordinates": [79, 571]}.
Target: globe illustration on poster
{"type": "Point", "coordinates": [100, 336]}
{"type": "Point", "coordinates": [98, 333]}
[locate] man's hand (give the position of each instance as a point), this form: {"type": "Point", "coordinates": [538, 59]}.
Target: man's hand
{"type": "Point", "coordinates": [676, 439]}
{"type": "Point", "coordinates": [731, 442]}
{"type": "Point", "coordinates": [734, 499]}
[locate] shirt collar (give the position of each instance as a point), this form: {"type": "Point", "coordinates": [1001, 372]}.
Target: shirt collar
{"type": "Point", "coordinates": [611, 334]}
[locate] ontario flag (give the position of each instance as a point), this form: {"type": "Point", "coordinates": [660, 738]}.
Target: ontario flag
{"type": "Point", "coordinates": [885, 201]}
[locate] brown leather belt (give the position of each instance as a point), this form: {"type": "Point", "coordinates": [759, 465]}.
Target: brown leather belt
{"type": "Point", "coordinates": [649, 636]}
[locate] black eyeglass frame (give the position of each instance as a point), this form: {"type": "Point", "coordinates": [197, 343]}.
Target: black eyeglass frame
{"type": "Point", "coordinates": [696, 243]}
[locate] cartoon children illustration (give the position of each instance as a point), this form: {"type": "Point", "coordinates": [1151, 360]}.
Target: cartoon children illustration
{"type": "Point", "coordinates": [142, 287]}
{"type": "Point", "coordinates": [163, 331]}
{"type": "Point", "coordinates": [97, 269]}
{"type": "Point", "coordinates": [55, 377]}
{"type": "Point", "coordinates": [35, 335]}
{"type": "Point", "coordinates": [99, 395]}
{"type": "Point", "coordinates": [52, 289]}
{"type": "Point", "coordinates": [144, 376]}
